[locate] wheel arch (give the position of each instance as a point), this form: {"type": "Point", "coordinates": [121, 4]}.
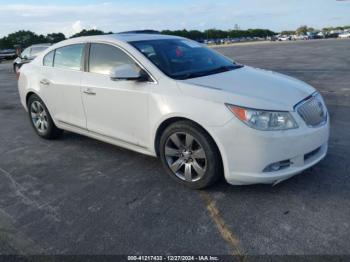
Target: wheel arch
{"type": "Point", "coordinates": [28, 95]}
{"type": "Point", "coordinates": [167, 122]}
{"type": "Point", "coordinates": [33, 92]}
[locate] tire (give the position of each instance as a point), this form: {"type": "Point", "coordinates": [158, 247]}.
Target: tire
{"type": "Point", "coordinates": [189, 155]}
{"type": "Point", "coordinates": [41, 120]}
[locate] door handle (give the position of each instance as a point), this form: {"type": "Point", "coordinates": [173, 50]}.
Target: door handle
{"type": "Point", "coordinates": [89, 92]}
{"type": "Point", "coordinates": [45, 82]}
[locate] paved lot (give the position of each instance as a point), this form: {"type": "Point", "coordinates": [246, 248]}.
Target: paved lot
{"type": "Point", "coordinates": [80, 196]}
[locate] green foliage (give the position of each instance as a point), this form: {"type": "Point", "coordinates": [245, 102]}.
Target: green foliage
{"type": "Point", "coordinates": [55, 37]}
{"type": "Point", "coordinates": [328, 29]}
{"type": "Point", "coordinates": [287, 32]}
{"type": "Point", "coordinates": [215, 33]}
{"type": "Point", "coordinates": [88, 33]}
{"type": "Point", "coordinates": [302, 30]}
{"type": "Point", "coordinates": [26, 38]}
{"type": "Point", "coordinates": [22, 38]}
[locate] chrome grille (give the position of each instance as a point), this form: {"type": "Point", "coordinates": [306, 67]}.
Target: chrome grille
{"type": "Point", "coordinates": [313, 111]}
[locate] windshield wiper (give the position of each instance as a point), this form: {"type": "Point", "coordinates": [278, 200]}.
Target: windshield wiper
{"type": "Point", "coordinates": [221, 69]}
{"type": "Point", "coordinates": [217, 70]}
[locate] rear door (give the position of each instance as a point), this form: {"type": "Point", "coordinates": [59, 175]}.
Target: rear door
{"type": "Point", "coordinates": [64, 82]}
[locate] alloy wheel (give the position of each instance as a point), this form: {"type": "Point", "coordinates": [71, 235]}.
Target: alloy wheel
{"type": "Point", "coordinates": [185, 156]}
{"type": "Point", "coordinates": [39, 117]}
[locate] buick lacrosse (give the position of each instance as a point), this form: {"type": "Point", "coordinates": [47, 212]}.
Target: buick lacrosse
{"type": "Point", "coordinates": [204, 115]}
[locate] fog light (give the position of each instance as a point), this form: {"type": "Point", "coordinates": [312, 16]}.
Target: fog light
{"type": "Point", "coordinates": [277, 166]}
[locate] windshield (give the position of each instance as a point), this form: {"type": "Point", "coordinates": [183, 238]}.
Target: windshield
{"type": "Point", "coordinates": [184, 59]}
{"type": "Point", "coordinates": [36, 50]}
{"type": "Point", "coordinates": [26, 52]}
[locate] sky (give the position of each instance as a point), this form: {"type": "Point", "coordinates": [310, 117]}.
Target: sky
{"type": "Point", "coordinates": [69, 16]}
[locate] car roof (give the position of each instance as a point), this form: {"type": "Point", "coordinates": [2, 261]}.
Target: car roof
{"type": "Point", "coordinates": [124, 37]}
{"type": "Point", "coordinates": [129, 37]}
{"type": "Point", "coordinates": [41, 45]}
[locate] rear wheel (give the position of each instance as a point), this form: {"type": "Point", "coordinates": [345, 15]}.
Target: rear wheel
{"type": "Point", "coordinates": [41, 120]}
{"type": "Point", "coordinates": [190, 155]}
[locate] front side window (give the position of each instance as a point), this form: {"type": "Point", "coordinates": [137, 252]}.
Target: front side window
{"type": "Point", "coordinates": [183, 59]}
{"type": "Point", "coordinates": [69, 57]}
{"type": "Point", "coordinates": [48, 59]}
{"type": "Point", "coordinates": [103, 58]}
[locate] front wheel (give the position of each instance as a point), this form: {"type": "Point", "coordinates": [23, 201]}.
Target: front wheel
{"type": "Point", "coordinates": [189, 155]}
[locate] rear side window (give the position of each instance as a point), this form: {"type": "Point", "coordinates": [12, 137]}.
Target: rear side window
{"type": "Point", "coordinates": [69, 57]}
{"type": "Point", "coordinates": [48, 59]}
{"type": "Point", "coordinates": [104, 57]}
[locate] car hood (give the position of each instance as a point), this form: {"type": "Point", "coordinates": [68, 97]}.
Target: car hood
{"type": "Point", "coordinates": [250, 87]}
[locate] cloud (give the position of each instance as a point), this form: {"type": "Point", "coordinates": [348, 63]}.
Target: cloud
{"type": "Point", "coordinates": [116, 17]}
{"type": "Point", "coordinates": [190, 14]}
{"type": "Point", "coordinates": [77, 27]}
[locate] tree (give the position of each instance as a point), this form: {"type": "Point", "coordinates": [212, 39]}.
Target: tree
{"type": "Point", "coordinates": [55, 37]}
{"type": "Point", "coordinates": [288, 32]}
{"type": "Point", "coordinates": [195, 35]}
{"type": "Point", "coordinates": [302, 30]}
{"type": "Point", "coordinates": [260, 33]}
{"type": "Point", "coordinates": [22, 38]}
{"type": "Point", "coordinates": [215, 33]}
{"type": "Point", "coordinates": [85, 32]}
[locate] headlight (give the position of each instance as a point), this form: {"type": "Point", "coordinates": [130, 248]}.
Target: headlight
{"type": "Point", "coordinates": [264, 120]}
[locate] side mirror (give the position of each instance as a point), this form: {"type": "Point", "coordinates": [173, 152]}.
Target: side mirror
{"type": "Point", "coordinates": [127, 72]}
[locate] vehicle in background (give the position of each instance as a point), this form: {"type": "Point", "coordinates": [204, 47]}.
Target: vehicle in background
{"type": "Point", "coordinates": [321, 35]}
{"type": "Point", "coordinates": [345, 35]}
{"type": "Point", "coordinates": [300, 37]}
{"type": "Point", "coordinates": [28, 55]}
{"type": "Point", "coordinates": [273, 38]}
{"type": "Point", "coordinates": [284, 38]}
{"type": "Point", "coordinates": [6, 54]}
{"type": "Point", "coordinates": [332, 35]}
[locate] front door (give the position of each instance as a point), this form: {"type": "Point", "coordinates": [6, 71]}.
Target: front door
{"type": "Point", "coordinates": [116, 109]}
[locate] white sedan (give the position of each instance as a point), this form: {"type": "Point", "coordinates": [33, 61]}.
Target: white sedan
{"type": "Point", "coordinates": [201, 113]}
{"type": "Point", "coordinates": [345, 35]}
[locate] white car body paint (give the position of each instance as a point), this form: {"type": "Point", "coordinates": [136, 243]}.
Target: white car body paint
{"type": "Point", "coordinates": [129, 113]}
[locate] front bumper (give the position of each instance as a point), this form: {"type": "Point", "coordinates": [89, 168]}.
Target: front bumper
{"type": "Point", "coordinates": [246, 152]}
